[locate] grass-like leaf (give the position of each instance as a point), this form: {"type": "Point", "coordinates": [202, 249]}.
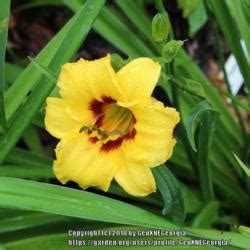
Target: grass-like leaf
{"type": "Point", "coordinates": [22, 194]}
{"type": "Point", "coordinates": [232, 35]}
{"type": "Point", "coordinates": [54, 54]}
{"type": "Point", "coordinates": [22, 157]}
{"type": "Point", "coordinates": [113, 29]}
{"type": "Point", "coordinates": [25, 164]}
{"type": "Point", "coordinates": [186, 67]}
{"type": "Point", "coordinates": [39, 224]}
{"type": "Point", "coordinates": [27, 220]}
{"type": "Point", "coordinates": [192, 121]}
{"type": "Point", "coordinates": [32, 139]}
{"type": "Point", "coordinates": [242, 164]}
{"type": "Point", "coordinates": [236, 239]}
{"type": "Point", "coordinates": [208, 118]}
{"type": "Point", "coordinates": [30, 195]}
{"type": "Point", "coordinates": [4, 21]}
{"type": "Point", "coordinates": [205, 137]}
{"type": "Point", "coordinates": [137, 16]}
{"type": "Point", "coordinates": [44, 70]}
{"type": "Point", "coordinates": [237, 11]}
{"type": "Point", "coordinates": [190, 86]}
{"type": "Point", "coordinates": [62, 240]}
{"type": "Point", "coordinates": [81, 23]}
{"type": "Point", "coordinates": [206, 216]}
{"type": "Point", "coordinates": [29, 172]}
{"type": "Point", "coordinates": [171, 194]}
{"type": "Point", "coordinates": [12, 71]}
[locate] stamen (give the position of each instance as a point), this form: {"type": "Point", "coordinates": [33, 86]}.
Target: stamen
{"type": "Point", "coordinates": [87, 129]}
{"type": "Point", "coordinates": [112, 124]}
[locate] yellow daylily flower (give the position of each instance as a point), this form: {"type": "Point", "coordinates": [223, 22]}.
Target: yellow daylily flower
{"type": "Point", "coordinates": [109, 126]}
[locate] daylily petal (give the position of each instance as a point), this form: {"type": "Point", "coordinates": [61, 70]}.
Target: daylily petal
{"type": "Point", "coordinates": [135, 178]}
{"type": "Point", "coordinates": [138, 78]}
{"type": "Point", "coordinates": [84, 81]}
{"type": "Point", "coordinates": [153, 142]}
{"type": "Point", "coordinates": [57, 120]}
{"type": "Point", "coordinates": [109, 125]}
{"type": "Point", "coordinates": [80, 161]}
{"type": "Point", "coordinates": [100, 78]}
{"type": "Point", "coordinates": [71, 89]}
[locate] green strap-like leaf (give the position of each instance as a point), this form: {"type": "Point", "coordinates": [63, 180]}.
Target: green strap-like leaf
{"type": "Point", "coordinates": [189, 86]}
{"type": "Point", "coordinates": [27, 220]}
{"type": "Point", "coordinates": [61, 241]}
{"type": "Point", "coordinates": [208, 118]}
{"type": "Point", "coordinates": [111, 27]}
{"type": "Point", "coordinates": [137, 16]}
{"type": "Point", "coordinates": [44, 70]}
{"type": "Point", "coordinates": [29, 172]}
{"type": "Point", "coordinates": [35, 196]}
{"type": "Point", "coordinates": [4, 21]}
{"type": "Point", "coordinates": [200, 108]}
{"type": "Point", "coordinates": [235, 239]}
{"type": "Point", "coordinates": [12, 71]}
{"type": "Point", "coordinates": [237, 11]}
{"type": "Point", "coordinates": [22, 157]}
{"type": "Point", "coordinates": [22, 194]}
{"type": "Point", "coordinates": [187, 67]}
{"type": "Point", "coordinates": [232, 35]}
{"type": "Point", "coordinates": [206, 216]}
{"type": "Point", "coordinates": [32, 139]}
{"type": "Point", "coordinates": [171, 194]}
{"type": "Point", "coordinates": [56, 53]}
{"type": "Point", "coordinates": [81, 23]}
{"type": "Point", "coordinates": [242, 164]}
{"type": "Point", "coordinates": [206, 132]}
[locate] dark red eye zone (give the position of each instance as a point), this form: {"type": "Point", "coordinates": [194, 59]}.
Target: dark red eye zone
{"type": "Point", "coordinates": [97, 108]}
{"type": "Point", "coordinates": [101, 112]}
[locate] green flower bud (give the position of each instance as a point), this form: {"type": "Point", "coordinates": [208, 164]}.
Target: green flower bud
{"type": "Point", "coordinates": [160, 28]}
{"type": "Point", "coordinates": [170, 50]}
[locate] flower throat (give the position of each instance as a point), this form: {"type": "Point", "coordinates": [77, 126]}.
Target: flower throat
{"type": "Point", "coordinates": [112, 124]}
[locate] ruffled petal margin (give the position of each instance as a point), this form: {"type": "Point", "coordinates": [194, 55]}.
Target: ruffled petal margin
{"type": "Point", "coordinates": [80, 161]}
{"type": "Point", "coordinates": [135, 178]}
{"type": "Point", "coordinates": [153, 143]}
{"type": "Point", "coordinates": [137, 79]}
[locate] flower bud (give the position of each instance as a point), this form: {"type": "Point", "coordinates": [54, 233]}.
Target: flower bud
{"type": "Point", "coordinates": [170, 50]}
{"type": "Point", "coordinates": [160, 28]}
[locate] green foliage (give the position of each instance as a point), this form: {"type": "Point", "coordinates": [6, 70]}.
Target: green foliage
{"type": "Point", "coordinates": [171, 194]}
{"type": "Point", "coordinates": [197, 19]}
{"type": "Point", "coordinates": [54, 54]}
{"type": "Point", "coordinates": [236, 9]}
{"type": "Point", "coordinates": [117, 62]}
{"type": "Point", "coordinates": [207, 215]}
{"type": "Point", "coordinates": [195, 12]}
{"type": "Point", "coordinates": [160, 28]}
{"type": "Point", "coordinates": [170, 50]}
{"type": "Point", "coordinates": [188, 6]}
{"type": "Point", "coordinates": [243, 166]}
{"type": "Point", "coordinates": [4, 19]}
{"type": "Point", "coordinates": [225, 20]}
{"type": "Point", "coordinates": [35, 212]}
{"type": "Point", "coordinates": [207, 122]}
{"type": "Point", "coordinates": [30, 195]}
{"type": "Point", "coordinates": [191, 122]}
